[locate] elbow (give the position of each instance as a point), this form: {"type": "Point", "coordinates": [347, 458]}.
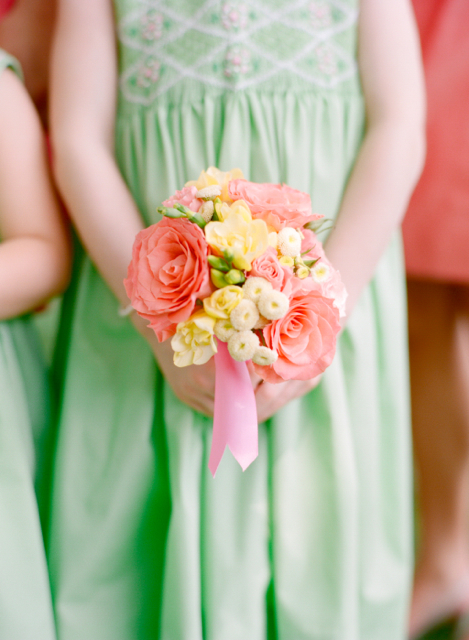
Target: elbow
{"type": "Point", "coordinates": [63, 268]}
{"type": "Point", "coordinates": [417, 143]}
{"type": "Point", "coordinates": [66, 151]}
{"type": "Point", "coordinates": [76, 148]}
{"type": "Point", "coordinates": [59, 250]}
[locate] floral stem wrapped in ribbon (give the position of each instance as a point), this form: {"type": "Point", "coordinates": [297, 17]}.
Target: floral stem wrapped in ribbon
{"type": "Point", "coordinates": [234, 271]}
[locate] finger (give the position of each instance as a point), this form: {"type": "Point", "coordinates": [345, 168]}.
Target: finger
{"type": "Point", "coordinates": [205, 408]}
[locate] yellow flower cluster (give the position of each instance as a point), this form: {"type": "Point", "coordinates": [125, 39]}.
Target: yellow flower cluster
{"type": "Point", "coordinates": [194, 340]}
{"type": "Point", "coordinates": [214, 176]}
{"type": "Point", "coordinates": [244, 238]}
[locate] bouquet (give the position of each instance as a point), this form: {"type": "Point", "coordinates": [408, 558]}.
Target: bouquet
{"type": "Point", "coordinates": [235, 270]}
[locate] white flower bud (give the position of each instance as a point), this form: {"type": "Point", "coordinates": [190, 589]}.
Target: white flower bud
{"type": "Point", "coordinates": [209, 192]}
{"type": "Point", "coordinates": [321, 272]}
{"type": "Point", "coordinates": [244, 316]}
{"type": "Point", "coordinates": [289, 242]}
{"type": "Point", "coordinates": [223, 329]}
{"type": "Point", "coordinates": [254, 287]}
{"type": "Point", "coordinates": [264, 356]}
{"type": "Point", "coordinates": [273, 304]}
{"type": "Point", "coordinates": [243, 345]}
{"type": "Point", "coordinates": [206, 210]}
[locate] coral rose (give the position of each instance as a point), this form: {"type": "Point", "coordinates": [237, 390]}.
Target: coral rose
{"type": "Point", "coordinates": [304, 338]}
{"type": "Point", "coordinates": [168, 272]}
{"type": "Point", "coordinates": [187, 197]}
{"type": "Point", "coordinates": [278, 204]}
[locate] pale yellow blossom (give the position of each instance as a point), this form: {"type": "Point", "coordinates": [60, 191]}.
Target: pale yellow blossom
{"type": "Point", "coordinates": [273, 239]}
{"type": "Point", "coordinates": [286, 261]}
{"type": "Point", "coordinates": [302, 271]}
{"type": "Point", "coordinates": [246, 240]}
{"type": "Point", "coordinates": [214, 176]}
{"type": "Point", "coordinates": [222, 301]}
{"type": "Point", "coordinates": [194, 341]}
{"type": "Point", "coordinates": [224, 210]}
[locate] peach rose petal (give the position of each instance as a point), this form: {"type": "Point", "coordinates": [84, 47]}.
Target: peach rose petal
{"type": "Point", "coordinates": [305, 338]}
{"type": "Point", "coordinates": [168, 273]}
{"type": "Point", "coordinates": [277, 204]}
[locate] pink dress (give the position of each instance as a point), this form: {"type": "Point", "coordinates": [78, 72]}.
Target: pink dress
{"type": "Point", "coordinates": [436, 228]}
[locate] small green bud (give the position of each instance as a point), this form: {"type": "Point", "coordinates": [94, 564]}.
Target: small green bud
{"type": "Point", "coordinates": [218, 278]}
{"type": "Point", "coordinates": [197, 219]}
{"type": "Point", "coordinates": [229, 255]}
{"type": "Point", "coordinates": [180, 207]}
{"type": "Point", "coordinates": [234, 276]}
{"type": "Point", "coordinates": [169, 212]}
{"type": "Point", "coordinates": [218, 263]}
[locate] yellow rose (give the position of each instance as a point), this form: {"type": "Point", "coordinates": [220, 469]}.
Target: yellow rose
{"type": "Point", "coordinates": [194, 341]}
{"type": "Point", "coordinates": [247, 240]}
{"type": "Point", "coordinates": [215, 176]}
{"type": "Point", "coordinates": [222, 302]}
{"type": "Point", "coordinates": [224, 210]}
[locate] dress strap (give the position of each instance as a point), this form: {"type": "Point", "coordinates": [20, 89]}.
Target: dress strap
{"type": "Point", "coordinates": [9, 62]}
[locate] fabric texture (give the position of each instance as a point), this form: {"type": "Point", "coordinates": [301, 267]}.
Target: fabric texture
{"type": "Point", "coordinates": [25, 599]}
{"type": "Point", "coordinates": [436, 227]}
{"type": "Point", "coordinates": [313, 541]}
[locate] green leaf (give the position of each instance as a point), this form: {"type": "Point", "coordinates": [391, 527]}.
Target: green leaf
{"type": "Point", "coordinates": [310, 263]}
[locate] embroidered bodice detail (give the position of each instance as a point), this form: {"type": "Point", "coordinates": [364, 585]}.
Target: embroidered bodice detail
{"type": "Point", "coordinates": [234, 45]}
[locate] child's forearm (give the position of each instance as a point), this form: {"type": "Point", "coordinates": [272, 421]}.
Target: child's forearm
{"type": "Point", "coordinates": [375, 201]}
{"type": "Point", "coordinates": [101, 207]}
{"type": "Point", "coordinates": [32, 270]}
{"type": "Point", "coordinates": [392, 153]}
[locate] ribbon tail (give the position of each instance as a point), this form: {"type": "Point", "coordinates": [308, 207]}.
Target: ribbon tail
{"type": "Point", "coordinates": [235, 415]}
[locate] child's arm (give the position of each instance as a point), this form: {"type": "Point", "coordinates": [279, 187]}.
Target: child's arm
{"type": "Point", "coordinates": [392, 154]}
{"type": "Point", "coordinates": [84, 81]}
{"type": "Point", "coordinates": [34, 248]}
{"type": "Point", "coordinates": [388, 164]}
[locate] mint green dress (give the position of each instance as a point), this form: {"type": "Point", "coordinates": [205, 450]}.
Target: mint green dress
{"type": "Point", "coordinates": [25, 598]}
{"type": "Point", "coordinates": [313, 541]}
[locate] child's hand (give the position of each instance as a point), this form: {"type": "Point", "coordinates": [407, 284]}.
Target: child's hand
{"type": "Point", "coordinates": [272, 397]}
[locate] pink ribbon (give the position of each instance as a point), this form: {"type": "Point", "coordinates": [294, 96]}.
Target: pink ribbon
{"type": "Point", "coordinates": [235, 415]}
